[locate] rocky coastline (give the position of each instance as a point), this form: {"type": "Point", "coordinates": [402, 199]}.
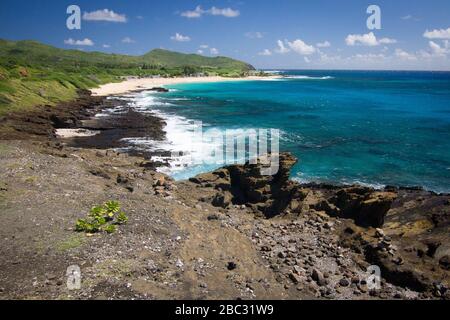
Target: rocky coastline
{"type": "Point", "coordinates": [228, 234]}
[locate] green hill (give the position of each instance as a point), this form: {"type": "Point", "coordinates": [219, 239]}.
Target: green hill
{"type": "Point", "coordinates": [174, 59]}
{"type": "Point", "coordinates": [33, 73]}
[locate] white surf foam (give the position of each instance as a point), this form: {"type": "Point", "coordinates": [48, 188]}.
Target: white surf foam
{"type": "Point", "coordinates": [186, 150]}
{"type": "Point", "coordinates": [185, 153]}
{"type": "Point", "coordinates": [300, 77]}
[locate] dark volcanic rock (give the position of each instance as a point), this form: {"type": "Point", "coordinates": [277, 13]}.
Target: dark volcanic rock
{"type": "Point", "coordinates": [270, 195]}
{"type": "Point", "coordinates": [412, 248]}
{"type": "Point", "coordinates": [231, 266]}
{"type": "Point", "coordinates": [445, 262]}
{"type": "Point", "coordinates": [115, 128]}
{"type": "Point", "coordinates": [41, 121]}
{"type": "Point", "coordinates": [223, 200]}
{"type": "Point", "coordinates": [156, 89]}
{"type": "Point", "coordinates": [276, 194]}
{"type": "Point", "coordinates": [366, 207]}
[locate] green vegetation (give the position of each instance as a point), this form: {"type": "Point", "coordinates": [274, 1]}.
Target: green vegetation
{"type": "Point", "coordinates": [4, 148]}
{"type": "Point", "coordinates": [72, 242]}
{"type": "Point", "coordinates": [102, 218]}
{"type": "Point", "coordinates": [32, 73]}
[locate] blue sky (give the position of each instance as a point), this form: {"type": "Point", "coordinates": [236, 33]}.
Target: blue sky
{"type": "Point", "coordinates": [319, 34]}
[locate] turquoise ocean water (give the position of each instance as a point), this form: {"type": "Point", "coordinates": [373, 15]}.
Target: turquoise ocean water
{"type": "Point", "coordinates": [377, 128]}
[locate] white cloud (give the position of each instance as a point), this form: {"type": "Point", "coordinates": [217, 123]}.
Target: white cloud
{"type": "Point", "coordinates": [300, 47]}
{"type": "Point", "coordinates": [180, 38]}
{"type": "Point", "coordinates": [324, 58]}
{"type": "Point", "coordinates": [437, 50]}
{"type": "Point", "coordinates": [200, 51]}
{"type": "Point", "coordinates": [198, 12]}
{"type": "Point", "coordinates": [226, 12]}
{"type": "Point", "coordinates": [106, 46]}
{"type": "Point", "coordinates": [368, 39]}
{"type": "Point", "coordinates": [306, 59]}
{"type": "Point", "coordinates": [104, 15]}
{"type": "Point", "coordinates": [365, 39]}
{"type": "Point", "coordinates": [410, 17]}
{"type": "Point", "coordinates": [324, 44]}
{"type": "Point", "coordinates": [85, 42]}
{"type": "Point", "coordinates": [128, 40]}
{"type": "Point", "coordinates": [265, 52]}
{"type": "Point", "coordinates": [204, 46]}
{"type": "Point", "coordinates": [370, 57]}
{"type": "Point", "coordinates": [399, 53]}
{"type": "Point", "coordinates": [387, 41]}
{"type": "Point", "coordinates": [281, 47]}
{"type": "Point", "coordinates": [437, 34]}
{"type": "Point", "coordinates": [214, 51]}
{"type": "Point", "coordinates": [254, 35]}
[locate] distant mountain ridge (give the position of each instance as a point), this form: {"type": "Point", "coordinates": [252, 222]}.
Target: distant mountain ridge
{"type": "Point", "coordinates": [172, 59]}
{"type": "Point", "coordinates": [34, 50]}
{"type": "Point", "coordinates": [33, 73]}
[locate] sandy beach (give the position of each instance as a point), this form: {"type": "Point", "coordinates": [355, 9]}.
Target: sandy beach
{"type": "Point", "coordinates": [149, 83]}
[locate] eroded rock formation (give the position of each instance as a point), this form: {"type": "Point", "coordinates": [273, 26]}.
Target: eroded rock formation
{"type": "Point", "coordinates": [275, 195]}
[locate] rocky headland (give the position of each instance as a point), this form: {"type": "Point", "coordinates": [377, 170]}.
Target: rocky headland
{"type": "Point", "coordinates": [232, 233]}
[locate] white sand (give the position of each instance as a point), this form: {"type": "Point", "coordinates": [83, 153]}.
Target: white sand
{"type": "Point", "coordinates": [75, 133]}
{"type": "Point", "coordinates": [148, 83]}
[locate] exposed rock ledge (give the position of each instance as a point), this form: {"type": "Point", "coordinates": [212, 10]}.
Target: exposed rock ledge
{"type": "Point", "coordinates": [320, 241]}
{"type": "Point", "coordinates": [277, 195]}
{"type": "Point", "coordinates": [403, 231]}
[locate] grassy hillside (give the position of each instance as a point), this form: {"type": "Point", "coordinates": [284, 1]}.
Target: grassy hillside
{"type": "Point", "coordinates": [174, 59]}
{"type": "Point", "coordinates": [32, 73]}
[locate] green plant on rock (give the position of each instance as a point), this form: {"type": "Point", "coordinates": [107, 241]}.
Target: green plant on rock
{"type": "Point", "coordinates": [110, 228]}
{"type": "Point", "coordinates": [102, 218]}
{"type": "Point", "coordinates": [122, 218]}
{"type": "Point", "coordinates": [112, 207]}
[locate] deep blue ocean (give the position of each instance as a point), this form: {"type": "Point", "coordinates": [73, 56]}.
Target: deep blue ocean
{"type": "Point", "coordinates": [370, 127]}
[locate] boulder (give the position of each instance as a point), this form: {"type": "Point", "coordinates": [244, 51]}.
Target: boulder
{"type": "Point", "coordinates": [222, 200]}
{"type": "Point", "coordinates": [271, 195]}
{"type": "Point", "coordinates": [125, 181]}
{"type": "Point", "coordinates": [160, 90]}
{"type": "Point", "coordinates": [445, 262]}
{"type": "Point", "coordinates": [318, 277]}
{"type": "Point", "coordinates": [275, 194]}
{"type": "Point", "coordinates": [245, 184]}
{"type": "Point", "coordinates": [368, 208]}
{"type": "Point", "coordinates": [219, 179]}
{"type": "Point", "coordinates": [3, 186]}
{"type": "Point", "coordinates": [374, 209]}
{"type": "Point", "coordinates": [159, 180]}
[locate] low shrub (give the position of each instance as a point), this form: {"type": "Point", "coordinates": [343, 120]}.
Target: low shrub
{"type": "Point", "coordinates": [104, 218]}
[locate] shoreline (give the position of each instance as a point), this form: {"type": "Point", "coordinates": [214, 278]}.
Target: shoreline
{"type": "Point", "coordinates": [308, 241]}
{"type": "Point", "coordinates": [131, 85]}
{"type": "Point", "coordinates": [154, 86]}
{"type": "Point", "coordinates": [335, 225]}
{"type": "Point", "coordinates": [74, 123]}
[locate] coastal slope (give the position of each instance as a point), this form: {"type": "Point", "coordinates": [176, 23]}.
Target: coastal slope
{"type": "Point", "coordinates": [32, 73]}
{"type": "Point", "coordinates": [228, 234]}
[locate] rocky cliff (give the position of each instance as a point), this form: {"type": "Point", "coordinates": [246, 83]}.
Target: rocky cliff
{"type": "Point", "coordinates": [405, 232]}
{"type": "Point", "coordinates": [232, 233]}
